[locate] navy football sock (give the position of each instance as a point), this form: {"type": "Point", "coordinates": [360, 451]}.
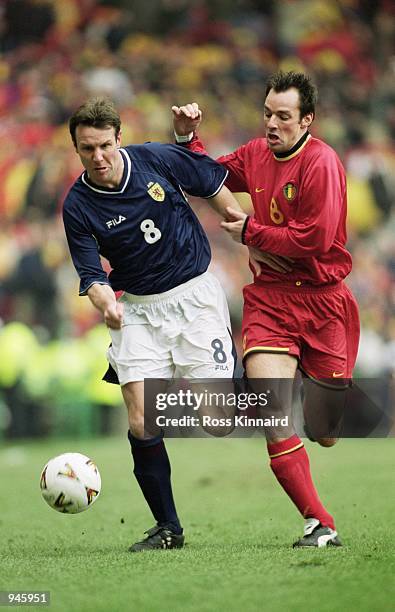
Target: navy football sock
{"type": "Point", "coordinates": [152, 471]}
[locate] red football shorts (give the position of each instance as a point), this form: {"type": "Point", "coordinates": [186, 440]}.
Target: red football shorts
{"type": "Point", "coordinates": [317, 325]}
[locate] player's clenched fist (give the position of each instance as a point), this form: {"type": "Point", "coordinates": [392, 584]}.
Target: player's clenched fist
{"type": "Point", "coordinates": [186, 119]}
{"type": "Point", "coordinates": [113, 315]}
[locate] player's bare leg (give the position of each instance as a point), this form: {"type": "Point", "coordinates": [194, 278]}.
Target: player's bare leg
{"type": "Point", "coordinates": [141, 423]}
{"type": "Point", "coordinates": [280, 370]}
{"type": "Point", "coordinates": [323, 410]}
{"type": "Point", "coordinates": [152, 471]}
{"type": "Point", "coordinates": [269, 365]}
{"type": "Point", "coordinates": [133, 395]}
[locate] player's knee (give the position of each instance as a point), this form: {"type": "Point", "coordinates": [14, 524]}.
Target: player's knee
{"type": "Point", "coordinates": [218, 430]}
{"type": "Point", "coordinates": [327, 442]}
{"type": "Point", "coordinates": [218, 425]}
{"type": "Point", "coordinates": [136, 425]}
{"type": "Point", "coordinates": [143, 428]}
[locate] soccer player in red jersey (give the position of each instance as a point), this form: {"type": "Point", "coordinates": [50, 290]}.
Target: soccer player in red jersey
{"type": "Point", "coordinates": [303, 315]}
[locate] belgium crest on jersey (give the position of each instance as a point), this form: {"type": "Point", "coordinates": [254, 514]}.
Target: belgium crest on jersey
{"type": "Point", "coordinates": [156, 192]}
{"type": "Point", "coordinates": [289, 191]}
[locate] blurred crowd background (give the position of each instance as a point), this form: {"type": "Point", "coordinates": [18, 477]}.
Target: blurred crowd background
{"type": "Point", "coordinates": [148, 56]}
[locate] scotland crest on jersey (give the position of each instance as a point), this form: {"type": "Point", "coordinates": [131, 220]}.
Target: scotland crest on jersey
{"type": "Point", "coordinates": [156, 192]}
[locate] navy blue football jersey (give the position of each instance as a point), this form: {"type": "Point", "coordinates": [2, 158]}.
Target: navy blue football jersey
{"type": "Point", "coordinates": [145, 227]}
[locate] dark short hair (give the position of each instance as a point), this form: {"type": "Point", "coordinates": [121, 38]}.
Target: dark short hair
{"type": "Point", "coordinates": [282, 81]}
{"type": "Point", "coordinates": [95, 112]}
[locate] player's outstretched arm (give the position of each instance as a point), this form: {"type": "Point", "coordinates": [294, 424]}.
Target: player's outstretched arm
{"type": "Point", "coordinates": [223, 201]}
{"type": "Point", "coordinates": [103, 298]}
{"type": "Point", "coordinates": [186, 119]}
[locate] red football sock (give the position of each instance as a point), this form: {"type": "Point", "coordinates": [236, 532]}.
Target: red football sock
{"type": "Point", "coordinates": [290, 464]}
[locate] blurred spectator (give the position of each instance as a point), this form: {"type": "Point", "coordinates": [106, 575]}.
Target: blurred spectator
{"type": "Point", "coordinates": [18, 29]}
{"type": "Point", "coordinates": [31, 285]}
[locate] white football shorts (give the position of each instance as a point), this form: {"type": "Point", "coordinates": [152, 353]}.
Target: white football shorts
{"type": "Point", "coordinates": [181, 333]}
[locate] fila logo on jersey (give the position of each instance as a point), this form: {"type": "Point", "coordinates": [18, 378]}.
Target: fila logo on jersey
{"type": "Point", "coordinates": [289, 190]}
{"type": "Point", "coordinates": [156, 192]}
{"type": "Point", "coordinates": [114, 222]}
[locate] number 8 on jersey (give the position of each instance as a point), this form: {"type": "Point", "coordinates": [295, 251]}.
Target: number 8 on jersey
{"type": "Point", "coordinates": [151, 233]}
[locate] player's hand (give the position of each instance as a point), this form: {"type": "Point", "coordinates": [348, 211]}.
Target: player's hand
{"type": "Point", "coordinates": [279, 263]}
{"type": "Point", "coordinates": [186, 119]}
{"type": "Point", "coordinates": [113, 315]}
{"type": "Point", "coordinates": [235, 223]}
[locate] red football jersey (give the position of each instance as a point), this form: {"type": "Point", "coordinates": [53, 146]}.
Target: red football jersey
{"type": "Point", "coordinates": [300, 207]}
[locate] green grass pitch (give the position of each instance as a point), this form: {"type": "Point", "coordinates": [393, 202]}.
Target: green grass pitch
{"type": "Point", "coordinates": [239, 527]}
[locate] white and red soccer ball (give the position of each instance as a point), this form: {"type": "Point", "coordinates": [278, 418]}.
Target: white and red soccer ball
{"type": "Point", "coordinates": [70, 483]}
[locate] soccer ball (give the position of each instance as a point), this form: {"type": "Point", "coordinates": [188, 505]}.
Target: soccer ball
{"type": "Point", "coordinates": [70, 483]}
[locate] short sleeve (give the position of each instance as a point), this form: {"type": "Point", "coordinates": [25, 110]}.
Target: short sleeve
{"type": "Point", "coordinates": [197, 174]}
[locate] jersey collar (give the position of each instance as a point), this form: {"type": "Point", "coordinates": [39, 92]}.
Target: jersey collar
{"type": "Point", "coordinates": [296, 149]}
{"type": "Point", "coordinates": [127, 166]}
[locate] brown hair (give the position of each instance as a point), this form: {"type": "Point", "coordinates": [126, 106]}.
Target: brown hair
{"type": "Point", "coordinates": [282, 81]}
{"type": "Point", "coordinates": [95, 112]}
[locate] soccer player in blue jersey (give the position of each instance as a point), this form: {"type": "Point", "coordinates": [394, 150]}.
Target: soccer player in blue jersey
{"type": "Point", "coordinates": [129, 206]}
